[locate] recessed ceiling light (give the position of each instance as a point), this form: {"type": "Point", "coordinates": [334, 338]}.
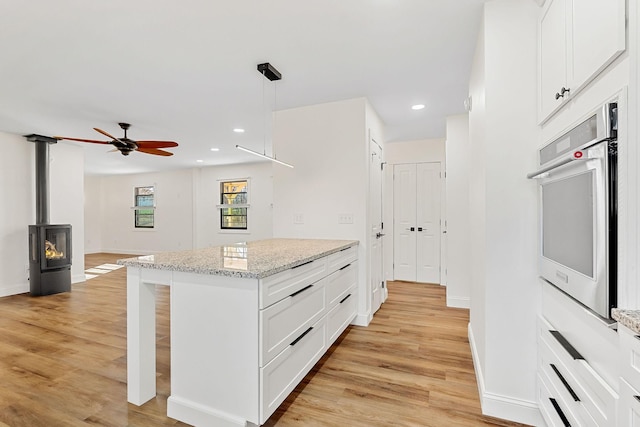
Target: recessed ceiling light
{"type": "Point", "coordinates": [417, 107]}
{"type": "Point", "coordinates": [238, 130]}
{"type": "Point", "coordinates": [215, 149]}
{"type": "Point", "coordinates": [199, 160]}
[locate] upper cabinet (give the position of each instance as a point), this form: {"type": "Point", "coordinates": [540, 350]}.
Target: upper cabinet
{"type": "Point", "coordinates": [577, 40]}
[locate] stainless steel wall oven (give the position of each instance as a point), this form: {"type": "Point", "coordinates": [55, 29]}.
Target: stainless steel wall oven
{"type": "Point", "coordinates": [578, 211]}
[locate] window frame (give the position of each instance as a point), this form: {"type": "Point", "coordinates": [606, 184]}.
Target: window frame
{"type": "Point", "coordinates": [137, 208]}
{"type": "Point", "coordinates": [221, 206]}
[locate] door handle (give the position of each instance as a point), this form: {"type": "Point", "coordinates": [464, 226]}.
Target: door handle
{"type": "Point", "coordinates": [411, 229]}
{"type": "Point", "coordinates": [419, 228]}
{"type": "Point", "coordinates": [379, 235]}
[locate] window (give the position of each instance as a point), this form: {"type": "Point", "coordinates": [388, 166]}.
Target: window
{"type": "Point", "coordinates": [144, 207]}
{"type": "Point", "coordinates": [233, 204]}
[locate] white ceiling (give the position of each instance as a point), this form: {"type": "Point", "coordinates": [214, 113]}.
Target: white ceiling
{"type": "Point", "coordinates": [186, 70]}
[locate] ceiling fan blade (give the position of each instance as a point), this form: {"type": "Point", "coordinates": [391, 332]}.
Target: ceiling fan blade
{"type": "Point", "coordinates": [154, 151]}
{"type": "Point", "coordinates": [83, 140]}
{"type": "Point", "coordinates": [106, 134]}
{"type": "Point", "coordinates": [156, 144]}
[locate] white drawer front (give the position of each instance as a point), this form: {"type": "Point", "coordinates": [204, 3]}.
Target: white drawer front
{"type": "Point", "coordinates": [340, 259]}
{"type": "Point", "coordinates": [281, 285]}
{"type": "Point", "coordinates": [629, 406]}
{"type": "Point", "coordinates": [596, 395]}
{"type": "Point", "coordinates": [283, 373]}
{"type": "Point", "coordinates": [565, 387]}
{"type": "Point", "coordinates": [284, 321]}
{"type": "Point", "coordinates": [630, 350]}
{"type": "Point", "coordinates": [340, 316]}
{"type": "Point", "coordinates": [553, 411]}
{"type": "Point", "coordinates": [340, 282]}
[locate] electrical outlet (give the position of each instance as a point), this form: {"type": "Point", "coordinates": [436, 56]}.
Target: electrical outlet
{"type": "Point", "coordinates": [298, 218]}
{"type": "Point", "coordinates": [345, 218]}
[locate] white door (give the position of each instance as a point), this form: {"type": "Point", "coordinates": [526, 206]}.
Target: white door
{"type": "Point", "coordinates": [416, 201]}
{"type": "Point", "coordinates": [375, 238]}
{"type": "Point", "coordinates": [428, 223]}
{"type": "Point", "coordinates": [404, 222]}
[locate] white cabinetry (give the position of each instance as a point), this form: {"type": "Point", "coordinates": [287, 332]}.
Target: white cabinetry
{"type": "Point", "coordinates": [577, 40]}
{"type": "Point", "coordinates": [240, 346]}
{"type": "Point", "coordinates": [629, 406]}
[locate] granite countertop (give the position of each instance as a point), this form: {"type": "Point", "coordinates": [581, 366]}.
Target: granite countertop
{"type": "Point", "coordinates": [628, 318]}
{"type": "Point", "coordinates": [254, 260]}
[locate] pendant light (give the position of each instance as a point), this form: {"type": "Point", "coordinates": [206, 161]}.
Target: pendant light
{"type": "Point", "coordinates": [268, 71]}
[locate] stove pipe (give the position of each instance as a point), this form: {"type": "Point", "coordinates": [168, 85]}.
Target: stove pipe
{"type": "Point", "coordinates": [42, 176]}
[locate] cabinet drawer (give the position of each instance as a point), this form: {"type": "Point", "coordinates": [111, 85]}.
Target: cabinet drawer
{"type": "Point", "coordinates": [566, 388]}
{"type": "Point", "coordinates": [630, 351]}
{"type": "Point", "coordinates": [281, 285]}
{"type": "Point", "coordinates": [283, 373]}
{"type": "Point", "coordinates": [553, 411]}
{"type": "Point", "coordinates": [596, 395]}
{"type": "Point", "coordinates": [629, 406]}
{"type": "Point", "coordinates": [340, 282]}
{"type": "Point", "coordinates": [284, 321]}
{"type": "Point", "coordinates": [340, 316]}
{"type": "Point", "coordinates": [340, 259]}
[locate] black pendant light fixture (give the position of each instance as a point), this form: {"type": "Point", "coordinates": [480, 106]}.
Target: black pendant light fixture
{"type": "Point", "coordinates": [268, 71]}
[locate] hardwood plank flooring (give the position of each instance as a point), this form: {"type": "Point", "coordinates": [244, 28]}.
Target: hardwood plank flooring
{"type": "Point", "coordinates": [63, 363]}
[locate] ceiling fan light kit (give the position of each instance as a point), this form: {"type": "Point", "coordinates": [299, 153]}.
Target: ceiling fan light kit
{"type": "Point", "coordinates": [270, 72]}
{"type": "Point", "coordinates": [126, 145]}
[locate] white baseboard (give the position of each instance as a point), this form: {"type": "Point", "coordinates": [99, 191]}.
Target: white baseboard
{"type": "Point", "coordinates": [500, 406]}
{"type": "Point", "coordinates": [458, 302]}
{"type": "Point", "coordinates": [362, 319]}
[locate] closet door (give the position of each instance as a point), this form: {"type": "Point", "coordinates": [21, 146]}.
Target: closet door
{"type": "Point", "coordinates": [428, 223]}
{"type": "Point", "coordinates": [416, 214]}
{"type": "Point", "coordinates": [404, 222]}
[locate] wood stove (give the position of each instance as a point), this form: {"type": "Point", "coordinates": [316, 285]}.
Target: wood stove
{"type": "Point", "coordinates": [49, 258]}
{"type": "Point", "coordinates": [49, 244]}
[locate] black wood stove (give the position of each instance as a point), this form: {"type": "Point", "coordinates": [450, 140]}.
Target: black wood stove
{"type": "Point", "coordinates": [49, 244]}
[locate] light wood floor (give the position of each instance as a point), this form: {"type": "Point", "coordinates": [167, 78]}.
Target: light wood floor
{"type": "Point", "coordinates": [63, 363]}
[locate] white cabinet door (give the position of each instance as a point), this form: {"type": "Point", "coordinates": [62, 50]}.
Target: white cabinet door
{"type": "Point", "coordinates": [578, 39]}
{"type": "Point", "coordinates": [552, 55]}
{"type": "Point", "coordinates": [598, 36]}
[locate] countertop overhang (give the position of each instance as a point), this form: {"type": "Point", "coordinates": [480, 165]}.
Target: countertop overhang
{"type": "Point", "coordinates": [254, 260]}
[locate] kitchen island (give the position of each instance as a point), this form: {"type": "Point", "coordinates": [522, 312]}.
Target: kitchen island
{"type": "Point", "coordinates": [248, 322]}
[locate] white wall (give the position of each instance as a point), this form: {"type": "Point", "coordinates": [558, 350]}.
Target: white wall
{"type": "Point", "coordinates": [17, 192]}
{"type": "Point", "coordinates": [186, 214]}
{"type": "Point", "coordinates": [327, 144]}
{"type": "Point", "coordinates": [504, 137]}
{"type": "Point", "coordinates": [260, 214]}
{"type": "Point", "coordinates": [458, 255]}
{"type": "Point", "coordinates": [66, 173]}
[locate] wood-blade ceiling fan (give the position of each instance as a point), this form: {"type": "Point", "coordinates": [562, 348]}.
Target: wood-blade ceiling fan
{"type": "Point", "coordinates": [126, 145]}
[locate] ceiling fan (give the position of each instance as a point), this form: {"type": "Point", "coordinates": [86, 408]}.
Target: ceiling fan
{"type": "Point", "coordinates": [126, 145]}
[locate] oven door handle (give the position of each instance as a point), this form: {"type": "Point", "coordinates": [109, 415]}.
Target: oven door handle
{"type": "Point", "coordinates": [545, 169]}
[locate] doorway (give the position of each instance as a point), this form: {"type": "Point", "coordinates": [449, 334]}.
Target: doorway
{"type": "Point", "coordinates": [417, 222]}
{"type": "Point", "coordinates": [378, 290]}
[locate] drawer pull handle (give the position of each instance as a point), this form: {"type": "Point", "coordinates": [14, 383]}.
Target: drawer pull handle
{"type": "Point", "coordinates": [565, 383]}
{"type": "Point", "coordinates": [304, 263]}
{"type": "Point", "coordinates": [345, 266]}
{"type": "Point", "coordinates": [301, 290]}
{"type": "Point", "coordinates": [294, 342]}
{"type": "Point", "coordinates": [564, 419]}
{"type": "Point", "coordinates": [565, 344]}
{"type": "Point", "coordinates": [345, 298]}
{"type": "Point", "coordinates": [637, 337]}
{"type": "Point", "coordinates": [345, 249]}
{"type": "Point", "coordinates": [637, 397]}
